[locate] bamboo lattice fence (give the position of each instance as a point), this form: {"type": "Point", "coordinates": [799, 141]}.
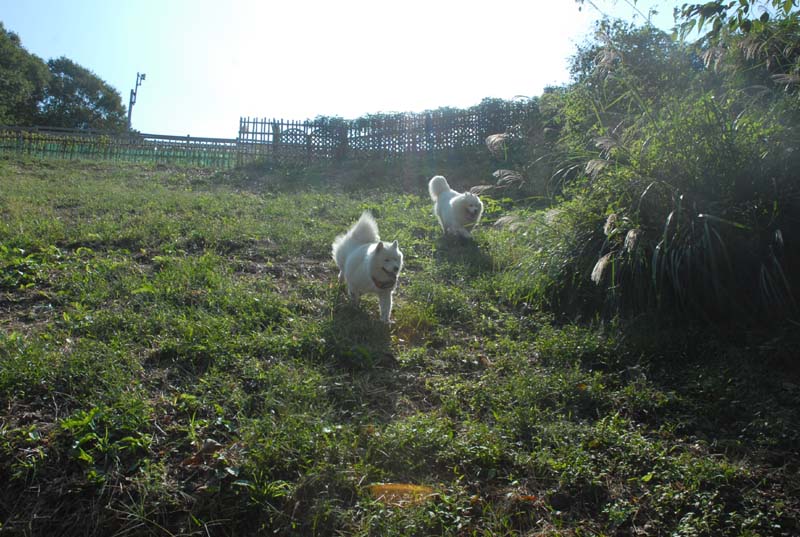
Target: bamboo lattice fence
{"type": "Point", "coordinates": [384, 135]}
{"type": "Point", "coordinates": [381, 135]}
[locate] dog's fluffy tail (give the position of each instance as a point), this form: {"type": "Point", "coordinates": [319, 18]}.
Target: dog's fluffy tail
{"type": "Point", "coordinates": [436, 186]}
{"type": "Point", "coordinates": [365, 231]}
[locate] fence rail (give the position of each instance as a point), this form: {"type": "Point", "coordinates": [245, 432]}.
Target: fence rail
{"type": "Point", "coordinates": [384, 135]}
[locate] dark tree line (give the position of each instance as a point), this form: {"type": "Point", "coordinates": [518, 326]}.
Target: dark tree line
{"type": "Point", "coordinates": [58, 93]}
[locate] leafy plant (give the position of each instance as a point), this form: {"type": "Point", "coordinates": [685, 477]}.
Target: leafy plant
{"type": "Point", "coordinates": [683, 186]}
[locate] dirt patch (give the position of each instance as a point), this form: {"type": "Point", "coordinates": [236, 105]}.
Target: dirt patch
{"type": "Point", "coordinates": [287, 272]}
{"type": "Point", "coordinates": [26, 310]}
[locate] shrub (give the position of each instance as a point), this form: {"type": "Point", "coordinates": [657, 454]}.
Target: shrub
{"type": "Point", "coordinates": [681, 193]}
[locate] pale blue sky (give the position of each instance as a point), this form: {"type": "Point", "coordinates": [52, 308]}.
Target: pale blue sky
{"type": "Point", "coordinates": [210, 61]}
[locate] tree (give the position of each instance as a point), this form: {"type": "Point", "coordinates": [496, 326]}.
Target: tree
{"type": "Point", "coordinates": [77, 98]}
{"type": "Point", "coordinates": [739, 15]}
{"type": "Point", "coordinates": [764, 33]}
{"type": "Point", "coordinates": [733, 15]}
{"type": "Point", "coordinates": [760, 37]}
{"type": "Point", "coordinates": [23, 79]}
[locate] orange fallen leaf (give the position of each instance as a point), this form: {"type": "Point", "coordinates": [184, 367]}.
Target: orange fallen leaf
{"type": "Point", "coordinates": [400, 494]}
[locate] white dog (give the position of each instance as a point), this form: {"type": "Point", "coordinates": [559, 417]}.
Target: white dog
{"type": "Point", "coordinates": [454, 210]}
{"type": "Point", "coordinates": [368, 265]}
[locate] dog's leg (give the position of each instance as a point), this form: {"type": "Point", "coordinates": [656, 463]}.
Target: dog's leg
{"type": "Point", "coordinates": [464, 232]}
{"type": "Point", "coordinates": [354, 297]}
{"type": "Point", "coordinates": [459, 231]}
{"type": "Point", "coordinates": [385, 304]}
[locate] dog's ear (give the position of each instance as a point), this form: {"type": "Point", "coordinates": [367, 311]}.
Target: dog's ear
{"type": "Point", "coordinates": [394, 245]}
{"type": "Point", "coordinates": [379, 247]}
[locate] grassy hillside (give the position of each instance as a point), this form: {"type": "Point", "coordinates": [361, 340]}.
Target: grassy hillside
{"type": "Point", "coordinates": [176, 357]}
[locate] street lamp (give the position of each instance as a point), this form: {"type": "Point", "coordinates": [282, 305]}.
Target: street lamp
{"type": "Point", "coordinates": [139, 80]}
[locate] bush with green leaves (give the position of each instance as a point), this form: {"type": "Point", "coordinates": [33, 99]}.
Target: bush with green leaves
{"type": "Point", "coordinates": [683, 195]}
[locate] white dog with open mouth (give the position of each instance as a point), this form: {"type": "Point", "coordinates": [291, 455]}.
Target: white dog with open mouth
{"type": "Point", "coordinates": [454, 210]}
{"type": "Point", "coordinates": [367, 264]}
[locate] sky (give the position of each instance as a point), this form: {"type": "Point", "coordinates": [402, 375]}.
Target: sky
{"type": "Point", "coordinates": [208, 62]}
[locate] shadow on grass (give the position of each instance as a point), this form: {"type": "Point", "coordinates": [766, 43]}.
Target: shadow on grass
{"type": "Point", "coordinates": [359, 357]}
{"type": "Point", "coordinates": [464, 253]}
{"type": "Point", "coordinates": [354, 335]}
{"type": "Point", "coordinates": [742, 400]}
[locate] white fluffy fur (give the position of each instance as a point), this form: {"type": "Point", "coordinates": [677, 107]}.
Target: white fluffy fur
{"type": "Point", "coordinates": [368, 265]}
{"type": "Point", "coordinates": [455, 210]}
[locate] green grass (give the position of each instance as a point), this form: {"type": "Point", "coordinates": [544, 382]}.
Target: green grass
{"type": "Point", "coordinates": [176, 357]}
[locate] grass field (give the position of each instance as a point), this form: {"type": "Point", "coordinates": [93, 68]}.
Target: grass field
{"type": "Point", "coordinates": [176, 358]}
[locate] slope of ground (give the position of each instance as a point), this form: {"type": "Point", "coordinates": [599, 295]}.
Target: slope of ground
{"type": "Point", "coordinates": [176, 357]}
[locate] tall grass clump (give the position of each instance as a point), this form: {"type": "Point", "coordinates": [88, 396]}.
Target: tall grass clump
{"type": "Point", "coordinates": [679, 188]}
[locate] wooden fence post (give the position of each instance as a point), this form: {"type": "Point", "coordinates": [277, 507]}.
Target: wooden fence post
{"type": "Point", "coordinates": [276, 133]}
{"type": "Point", "coordinates": [340, 139]}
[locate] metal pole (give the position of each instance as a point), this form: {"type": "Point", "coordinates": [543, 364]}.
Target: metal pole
{"type": "Point", "coordinates": [134, 91]}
